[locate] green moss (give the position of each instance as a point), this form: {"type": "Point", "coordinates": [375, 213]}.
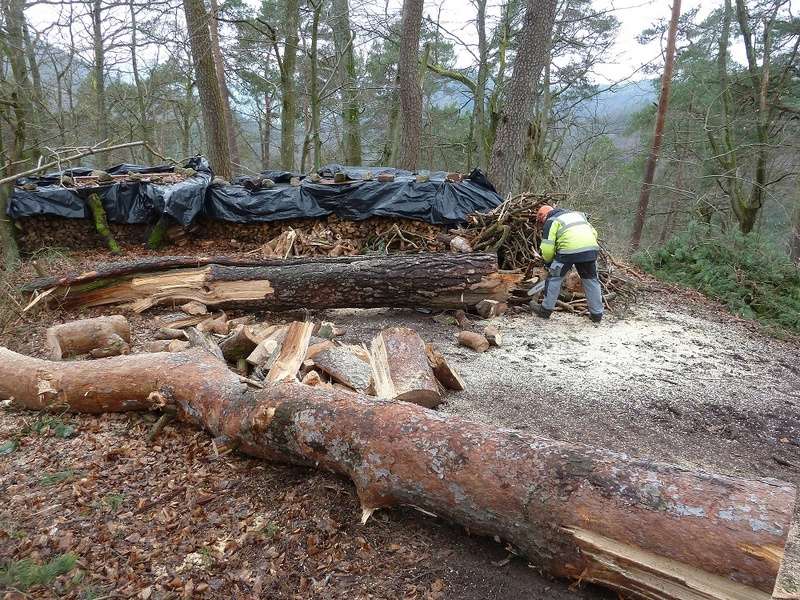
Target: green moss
{"type": "Point", "coordinates": [101, 224]}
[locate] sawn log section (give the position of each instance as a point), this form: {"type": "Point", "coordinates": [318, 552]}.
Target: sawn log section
{"type": "Point", "coordinates": [407, 280]}
{"type": "Point", "coordinates": [648, 529]}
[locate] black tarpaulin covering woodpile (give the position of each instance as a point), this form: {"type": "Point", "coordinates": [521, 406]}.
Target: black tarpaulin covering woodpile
{"type": "Point", "coordinates": [131, 196]}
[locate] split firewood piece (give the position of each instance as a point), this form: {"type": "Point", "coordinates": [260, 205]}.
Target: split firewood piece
{"type": "Point", "coordinates": [169, 333]}
{"type": "Point", "coordinates": [194, 308]}
{"type": "Point", "coordinates": [344, 366]}
{"type": "Point", "coordinates": [239, 344]}
{"type": "Point", "coordinates": [115, 346]}
{"type": "Point", "coordinates": [292, 352]}
{"type": "Point", "coordinates": [493, 335]}
{"type": "Point", "coordinates": [400, 368]}
{"type": "Point", "coordinates": [218, 325]}
{"type": "Point", "coordinates": [85, 335]}
{"type": "Point", "coordinates": [312, 378]}
{"type": "Point", "coordinates": [245, 320]}
{"type": "Point", "coordinates": [462, 320]}
{"type": "Point", "coordinates": [201, 339]}
{"type": "Point", "coordinates": [179, 320]}
{"type": "Point", "coordinates": [473, 340]}
{"type": "Point", "coordinates": [490, 308]}
{"type": "Point", "coordinates": [167, 346]}
{"type": "Point", "coordinates": [446, 374]}
{"type": "Point", "coordinates": [317, 345]}
{"type": "Point", "coordinates": [265, 352]}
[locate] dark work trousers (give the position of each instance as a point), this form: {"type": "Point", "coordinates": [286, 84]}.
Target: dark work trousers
{"type": "Point", "coordinates": [559, 268]}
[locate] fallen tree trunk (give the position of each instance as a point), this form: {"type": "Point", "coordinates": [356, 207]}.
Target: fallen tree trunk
{"type": "Point", "coordinates": [410, 280]}
{"type": "Point", "coordinates": [650, 530]}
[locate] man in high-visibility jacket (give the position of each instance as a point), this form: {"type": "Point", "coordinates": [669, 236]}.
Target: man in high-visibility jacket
{"type": "Point", "coordinates": [568, 239]}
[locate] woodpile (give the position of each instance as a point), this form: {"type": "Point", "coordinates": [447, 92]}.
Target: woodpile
{"type": "Point", "coordinates": [646, 529]}
{"type": "Point", "coordinates": [396, 364]}
{"type": "Point", "coordinates": [329, 236]}
{"type": "Point", "coordinates": [36, 233]}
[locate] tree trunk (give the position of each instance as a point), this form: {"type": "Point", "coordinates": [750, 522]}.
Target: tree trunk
{"type": "Point", "coordinates": [316, 142]}
{"type": "Point", "coordinates": [9, 251]}
{"type": "Point", "coordinates": [410, 91]}
{"type": "Point", "coordinates": [658, 135]}
{"type": "Point", "coordinates": [208, 87]}
{"type": "Point", "coordinates": [532, 52]}
{"type": "Point", "coordinates": [37, 95]}
{"type": "Point", "coordinates": [98, 75]}
{"type": "Point", "coordinates": [794, 243]}
{"type": "Point", "coordinates": [479, 99]}
{"type": "Point", "coordinates": [224, 91]}
{"type": "Point", "coordinates": [145, 124]}
{"type": "Point", "coordinates": [25, 133]}
{"type": "Point", "coordinates": [288, 100]}
{"type": "Point", "coordinates": [412, 280]}
{"type": "Point", "coordinates": [343, 39]}
{"type": "Point", "coordinates": [649, 530]}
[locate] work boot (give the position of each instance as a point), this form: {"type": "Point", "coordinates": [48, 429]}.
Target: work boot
{"type": "Point", "coordinates": [596, 318]}
{"type": "Point", "coordinates": [540, 310]}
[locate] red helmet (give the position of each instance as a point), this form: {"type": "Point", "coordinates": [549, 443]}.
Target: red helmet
{"type": "Point", "coordinates": [542, 213]}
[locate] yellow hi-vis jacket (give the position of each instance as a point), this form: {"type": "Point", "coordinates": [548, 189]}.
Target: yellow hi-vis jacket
{"type": "Point", "coordinates": [567, 232]}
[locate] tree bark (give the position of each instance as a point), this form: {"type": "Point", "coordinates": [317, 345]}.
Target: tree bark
{"type": "Point", "coordinates": [288, 100]}
{"type": "Point", "coordinates": [224, 91]}
{"type": "Point", "coordinates": [208, 88]}
{"type": "Point", "coordinates": [85, 335]}
{"type": "Point", "coordinates": [532, 52]}
{"type": "Point", "coordinates": [794, 243]}
{"type": "Point", "coordinates": [658, 135]}
{"type": "Point", "coordinates": [410, 91]}
{"type": "Point", "coordinates": [98, 74]}
{"type": "Point", "coordinates": [315, 100]}
{"type": "Point", "coordinates": [412, 280]}
{"type": "Point", "coordinates": [400, 368]}
{"type": "Point", "coordinates": [650, 530]}
{"type": "Point", "coordinates": [343, 39]}
{"type": "Point", "coordinates": [9, 251]}
{"type": "Point", "coordinates": [145, 123]}
{"type": "Point", "coordinates": [479, 99]}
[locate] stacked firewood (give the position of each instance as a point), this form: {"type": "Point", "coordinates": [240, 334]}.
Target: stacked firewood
{"type": "Point", "coordinates": [35, 233]}
{"type": "Point", "coordinates": [511, 231]}
{"type": "Point", "coordinates": [330, 236]}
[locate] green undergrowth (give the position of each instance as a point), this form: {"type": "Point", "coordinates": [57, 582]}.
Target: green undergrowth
{"type": "Point", "coordinates": [748, 274]}
{"type": "Point", "coordinates": [25, 573]}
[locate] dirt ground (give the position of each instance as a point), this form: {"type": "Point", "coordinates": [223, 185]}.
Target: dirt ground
{"type": "Point", "coordinates": [672, 378]}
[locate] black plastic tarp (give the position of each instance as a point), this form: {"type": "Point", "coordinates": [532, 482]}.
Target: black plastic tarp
{"type": "Point", "coordinates": [436, 201]}
{"type": "Point", "coordinates": [124, 202]}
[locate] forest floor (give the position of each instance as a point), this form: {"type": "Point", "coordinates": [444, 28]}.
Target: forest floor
{"type": "Point", "coordinates": [671, 377]}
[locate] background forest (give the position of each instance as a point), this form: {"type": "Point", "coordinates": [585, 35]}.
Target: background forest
{"type": "Point", "coordinates": [302, 83]}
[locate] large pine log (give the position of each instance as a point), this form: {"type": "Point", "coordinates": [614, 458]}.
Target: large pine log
{"type": "Point", "coordinates": [411, 280]}
{"type": "Point", "coordinates": [650, 530]}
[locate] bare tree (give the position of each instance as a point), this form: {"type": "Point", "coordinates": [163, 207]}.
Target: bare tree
{"type": "Point", "coordinates": [410, 91]}
{"type": "Point", "coordinates": [208, 87]}
{"type": "Point", "coordinates": [219, 65]}
{"type": "Point", "coordinates": [532, 52]}
{"type": "Point", "coordinates": [343, 38]}
{"type": "Point", "coordinates": [291, 24]}
{"type": "Point", "coordinates": [658, 135]}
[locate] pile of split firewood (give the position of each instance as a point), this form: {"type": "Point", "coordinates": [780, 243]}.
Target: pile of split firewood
{"type": "Point", "coordinates": [330, 236]}
{"type": "Point", "coordinates": [398, 364]}
{"type": "Point", "coordinates": [40, 232]}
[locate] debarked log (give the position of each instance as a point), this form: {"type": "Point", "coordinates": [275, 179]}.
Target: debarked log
{"type": "Point", "coordinates": [651, 530]}
{"type": "Point", "coordinates": [410, 281]}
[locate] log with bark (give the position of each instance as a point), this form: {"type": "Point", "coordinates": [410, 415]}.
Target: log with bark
{"type": "Point", "coordinates": [412, 280]}
{"type": "Point", "coordinates": [400, 368]}
{"type": "Point", "coordinates": [104, 336]}
{"type": "Point", "coordinates": [650, 530]}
